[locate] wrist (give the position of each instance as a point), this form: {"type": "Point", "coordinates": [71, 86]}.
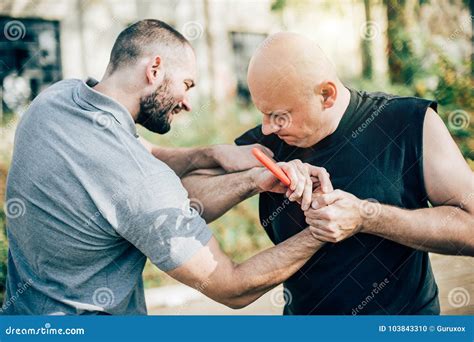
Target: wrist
{"type": "Point", "coordinates": [215, 155]}
{"type": "Point", "coordinates": [252, 175]}
{"type": "Point", "coordinates": [312, 241]}
{"type": "Point", "coordinates": [206, 157]}
{"type": "Point", "coordinates": [370, 212]}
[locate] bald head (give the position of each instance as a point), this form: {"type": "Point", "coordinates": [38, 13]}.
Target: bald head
{"type": "Point", "coordinates": [290, 75]}
{"type": "Point", "coordinates": [286, 60]}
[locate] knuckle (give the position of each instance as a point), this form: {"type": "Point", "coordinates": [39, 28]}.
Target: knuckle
{"type": "Point", "coordinates": [329, 213]}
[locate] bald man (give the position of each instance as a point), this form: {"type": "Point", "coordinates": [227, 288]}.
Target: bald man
{"type": "Point", "coordinates": [403, 187]}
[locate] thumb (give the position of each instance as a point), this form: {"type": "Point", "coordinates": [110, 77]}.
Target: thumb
{"type": "Point", "coordinates": [322, 200]}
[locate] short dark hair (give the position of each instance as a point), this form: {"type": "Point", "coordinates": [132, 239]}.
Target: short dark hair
{"type": "Point", "coordinates": [132, 41]}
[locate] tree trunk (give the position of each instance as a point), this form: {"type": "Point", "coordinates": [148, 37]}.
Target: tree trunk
{"type": "Point", "coordinates": [367, 68]}
{"type": "Point", "coordinates": [400, 53]}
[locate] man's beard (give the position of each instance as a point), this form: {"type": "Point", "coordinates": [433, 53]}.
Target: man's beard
{"type": "Point", "coordinates": [156, 108]}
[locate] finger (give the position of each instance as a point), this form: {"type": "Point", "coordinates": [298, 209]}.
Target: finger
{"type": "Point", "coordinates": [291, 197]}
{"type": "Point", "coordinates": [323, 176]}
{"type": "Point", "coordinates": [321, 200]}
{"type": "Point", "coordinates": [307, 196]}
{"type": "Point", "coordinates": [304, 184]}
{"type": "Point", "coordinates": [291, 172]}
{"type": "Point", "coordinates": [320, 224]}
{"type": "Point", "coordinates": [324, 213]}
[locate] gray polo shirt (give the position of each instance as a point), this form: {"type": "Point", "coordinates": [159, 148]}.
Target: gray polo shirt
{"type": "Point", "coordinates": [86, 204]}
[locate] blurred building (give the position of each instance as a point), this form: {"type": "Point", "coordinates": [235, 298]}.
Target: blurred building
{"type": "Point", "coordinates": [46, 40]}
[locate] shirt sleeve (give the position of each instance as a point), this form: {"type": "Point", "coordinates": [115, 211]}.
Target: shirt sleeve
{"type": "Point", "coordinates": [255, 136]}
{"type": "Point", "coordinates": [252, 136]}
{"type": "Point", "coordinates": [158, 218]}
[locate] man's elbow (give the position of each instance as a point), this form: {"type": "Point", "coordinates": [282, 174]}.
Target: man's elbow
{"type": "Point", "coordinates": [236, 295]}
{"type": "Point", "coordinates": [236, 302]}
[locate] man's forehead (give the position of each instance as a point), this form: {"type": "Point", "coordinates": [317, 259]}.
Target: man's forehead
{"type": "Point", "coordinates": [269, 107]}
{"type": "Point", "coordinates": [190, 63]}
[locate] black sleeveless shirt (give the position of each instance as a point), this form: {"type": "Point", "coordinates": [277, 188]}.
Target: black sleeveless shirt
{"type": "Point", "coordinates": [375, 153]}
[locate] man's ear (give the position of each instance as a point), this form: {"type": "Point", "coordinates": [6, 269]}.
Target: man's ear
{"type": "Point", "coordinates": [328, 91]}
{"type": "Point", "coordinates": [153, 69]}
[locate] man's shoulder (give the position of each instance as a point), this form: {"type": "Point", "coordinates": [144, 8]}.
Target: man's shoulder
{"type": "Point", "coordinates": [398, 103]}
{"type": "Point", "coordinates": [59, 87]}
{"type": "Point", "coordinates": [55, 94]}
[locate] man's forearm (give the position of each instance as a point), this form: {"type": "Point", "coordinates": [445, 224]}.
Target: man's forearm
{"type": "Point", "coordinates": [271, 267]}
{"type": "Point", "coordinates": [183, 160]}
{"type": "Point", "coordinates": [219, 192]}
{"type": "Point", "coordinates": [443, 229]}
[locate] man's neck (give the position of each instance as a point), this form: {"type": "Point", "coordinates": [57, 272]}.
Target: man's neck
{"type": "Point", "coordinates": [340, 107]}
{"type": "Point", "coordinates": [108, 86]}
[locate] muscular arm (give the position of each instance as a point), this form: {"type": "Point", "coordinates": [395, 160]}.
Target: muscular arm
{"type": "Point", "coordinates": [448, 227]}
{"type": "Point", "coordinates": [237, 285]}
{"type": "Point", "coordinates": [183, 160]}
{"type": "Point", "coordinates": [219, 191]}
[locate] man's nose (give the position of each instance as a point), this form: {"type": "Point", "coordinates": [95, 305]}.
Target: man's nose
{"type": "Point", "coordinates": [269, 127]}
{"type": "Point", "coordinates": [186, 105]}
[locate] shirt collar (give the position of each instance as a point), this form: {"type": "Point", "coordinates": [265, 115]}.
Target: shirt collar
{"type": "Point", "coordinates": [85, 93]}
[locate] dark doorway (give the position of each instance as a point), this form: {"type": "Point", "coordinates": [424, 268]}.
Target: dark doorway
{"type": "Point", "coordinates": [29, 59]}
